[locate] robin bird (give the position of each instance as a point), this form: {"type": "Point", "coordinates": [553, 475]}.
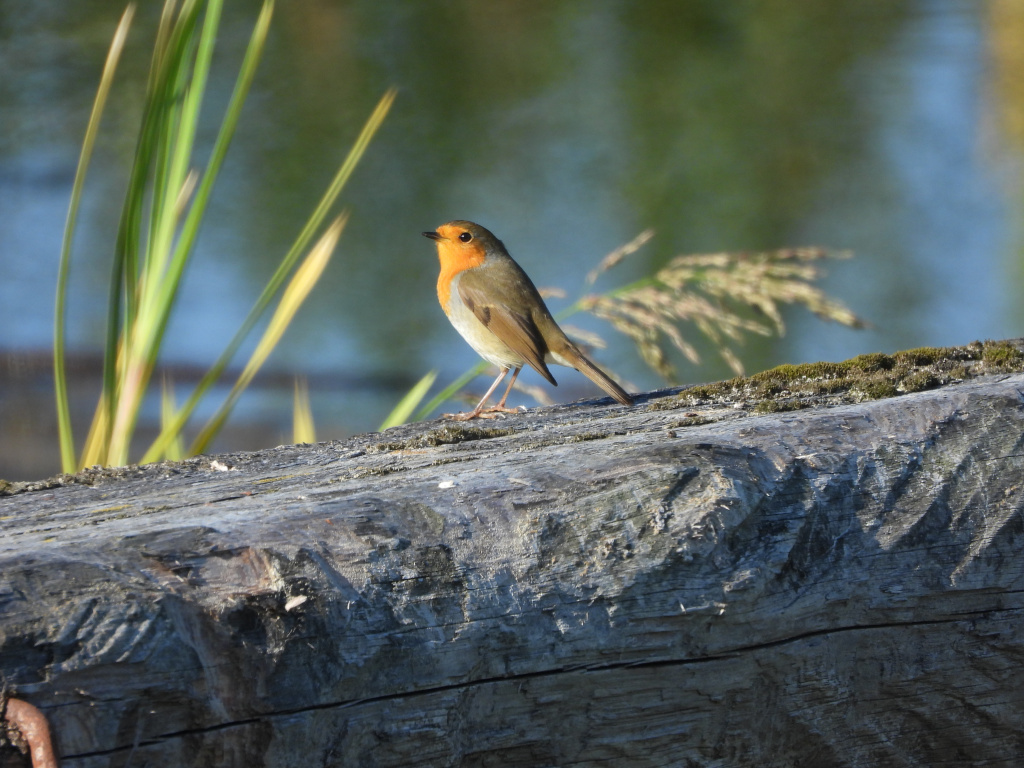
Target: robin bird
{"type": "Point", "coordinates": [497, 309]}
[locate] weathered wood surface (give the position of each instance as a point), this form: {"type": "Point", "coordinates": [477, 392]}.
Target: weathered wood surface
{"type": "Point", "coordinates": [601, 586]}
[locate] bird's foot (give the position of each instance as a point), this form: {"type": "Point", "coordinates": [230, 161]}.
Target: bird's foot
{"type": "Point", "coordinates": [494, 412]}
{"type": "Point", "coordinates": [499, 411]}
{"type": "Point", "coordinates": [460, 416]}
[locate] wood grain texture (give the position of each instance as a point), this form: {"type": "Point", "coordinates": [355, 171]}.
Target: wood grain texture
{"type": "Point", "coordinates": [579, 586]}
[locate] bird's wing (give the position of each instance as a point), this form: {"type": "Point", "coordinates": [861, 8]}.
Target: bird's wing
{"type": "Point", "coordinates": [515, 329]}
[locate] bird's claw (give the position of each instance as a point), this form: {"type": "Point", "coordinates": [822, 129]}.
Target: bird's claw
{"type": "Point", "coordinates": [494, 412]}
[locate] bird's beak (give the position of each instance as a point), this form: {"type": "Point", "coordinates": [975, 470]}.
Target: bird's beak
{"type": "Point", "coordinates": [432, 235]}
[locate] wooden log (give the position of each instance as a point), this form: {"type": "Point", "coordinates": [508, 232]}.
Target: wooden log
{"type": "Point", "coordinates": [585, 585]}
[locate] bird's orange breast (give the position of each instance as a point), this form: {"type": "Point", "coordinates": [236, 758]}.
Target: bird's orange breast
{"type": "Point", "coordinates": [455, 257]}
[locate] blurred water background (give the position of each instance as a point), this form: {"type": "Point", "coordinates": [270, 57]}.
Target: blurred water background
{"type": "Point", "coordinates": [893, 128]}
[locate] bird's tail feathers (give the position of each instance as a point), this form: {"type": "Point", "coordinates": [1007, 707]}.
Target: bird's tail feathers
{"type": "Point", "coordinates": [576, 359]}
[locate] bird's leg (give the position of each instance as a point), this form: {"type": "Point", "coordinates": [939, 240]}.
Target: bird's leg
{"type": "Point", "coordinates": [480, 406]}
{"type": "Point", "coordinates": [501, 405]}
{"type": "Point", "coordinates": [494, 410]}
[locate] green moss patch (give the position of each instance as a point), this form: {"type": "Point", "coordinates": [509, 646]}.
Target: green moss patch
{"type": "Point", "coordinates": [865, 377]}
{"type": "Point", "coordinates": [449, 434]}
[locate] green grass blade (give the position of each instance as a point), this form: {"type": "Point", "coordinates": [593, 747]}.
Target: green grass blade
{"type": "Point", "coordinates": [280, 275]}
{"type": "Point", "coordinates": [163, 34]}
{"type": "Point", "coordinates": [178, 260]}
{"type": "Point", "coordinates": [190, 228]}
{"type": "Point", "coordinates": [158, 229]}
{"type": "Point", "coordinates": [66, 436]}
{"type": "Point", "coordinates": [161, 276]}
{"type": "Point", "coordinates": [179, 85]}
{"type": "Point", "coordinates": [401, 412]}
{"type": "Point", "coordinates": [171, 48]}
{"type": "Point", "coordinates": [149, 158]}
{"type": "Point", "coordinates": [165, 263]}
{"type": "Point", "coordinates": [247, 73]}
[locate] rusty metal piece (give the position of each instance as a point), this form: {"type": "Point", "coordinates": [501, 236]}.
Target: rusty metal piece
{"type": "Point", "coordinates": [31, 725]}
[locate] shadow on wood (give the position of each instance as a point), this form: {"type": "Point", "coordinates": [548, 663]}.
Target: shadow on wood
{"type": "Point", "coordinates": [585, 585]}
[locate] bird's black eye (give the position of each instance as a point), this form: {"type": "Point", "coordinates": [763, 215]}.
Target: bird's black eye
{"type": "Point", "coordinates": [465, 237]}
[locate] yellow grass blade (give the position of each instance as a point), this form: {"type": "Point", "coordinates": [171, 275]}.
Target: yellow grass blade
{"type": "Point", "coordinates": [303, 429]}
{"type": "Point", "coordinates": [409, 402]}
{"type": "Point", "coordinates": [295, 293]}
{"type": "Point", "coordinates": [168, 410]}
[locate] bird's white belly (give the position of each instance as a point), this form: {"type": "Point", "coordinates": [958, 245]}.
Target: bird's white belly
{"type": "Point", "coordinates": [483, 341]}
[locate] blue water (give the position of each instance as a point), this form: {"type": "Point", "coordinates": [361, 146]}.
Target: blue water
{"type": "Point", "coordinates": [566, 129]}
